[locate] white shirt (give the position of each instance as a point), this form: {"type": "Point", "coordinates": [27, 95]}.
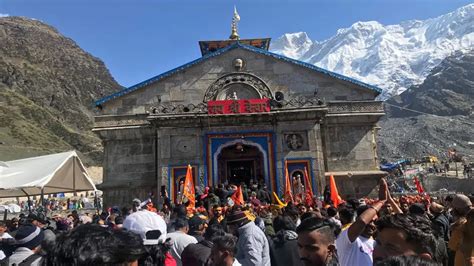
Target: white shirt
{"type": "Point", "coordinates": [357, 253]}
{"type": "Point", "coordinates": [336, 221]}
{"type": "Point", "coordinates": [180, 241]}
{"type": "Point", "coordinates": [4, 236]}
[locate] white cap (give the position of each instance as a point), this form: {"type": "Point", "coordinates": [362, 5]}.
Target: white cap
{"type": "Point", "coordinates": [142, 222]}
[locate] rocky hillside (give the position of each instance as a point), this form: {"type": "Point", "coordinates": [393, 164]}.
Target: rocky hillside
{"type": "Point", "coordinates": [437, 115]}
{"type": "Point", "coordinates": [47, 88]}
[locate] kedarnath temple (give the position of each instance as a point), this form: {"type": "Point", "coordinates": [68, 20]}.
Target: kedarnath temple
{"type": "Point", "coordinates": [236, 114]}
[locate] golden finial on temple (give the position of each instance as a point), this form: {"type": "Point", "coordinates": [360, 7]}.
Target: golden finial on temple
{"type": "Point", "coordinates": [236, 18]}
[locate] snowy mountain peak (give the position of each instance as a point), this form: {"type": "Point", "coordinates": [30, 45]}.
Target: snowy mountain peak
{"type": "Point", "coordinates": [393, 57]}
{"type": "Point", "coordinates": [292, 44]}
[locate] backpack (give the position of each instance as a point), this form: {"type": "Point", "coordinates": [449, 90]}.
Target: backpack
{"type": "Point", "coordinates": [28, 261]}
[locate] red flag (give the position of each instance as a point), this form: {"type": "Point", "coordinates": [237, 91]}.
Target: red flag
{"type": "Point", "coordinates": [238, 197]}
{"type": "Point", "coordinates": [419, 187]}
{"type": "Point", "coordinates": [308, 189]}
{"type": "Point", "coordinates": [335, 198]}
{"type": "Point", "coordinates": [288, 194]}
{"type": "Point", "coordinates": [188, 190]}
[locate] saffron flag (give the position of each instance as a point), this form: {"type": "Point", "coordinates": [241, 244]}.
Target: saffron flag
{"type": "Point", "coordinates": [188, 190]}
{"type": "Point", "coordinates": [308, 189]}
{"type": "Point", "coordinates": [278, 201]}
{"type": "Point", "coordinates": [238, 197]}
{"type": "Point", "coordinates": [419, 187]}
{"type": "Point", "coordinates": [288, 194]}
{"type": "Point", "coordinates": [335, 198]}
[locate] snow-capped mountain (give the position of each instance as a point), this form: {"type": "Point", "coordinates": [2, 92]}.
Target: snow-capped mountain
{"type": "Point", "coordinates": [393, 57]}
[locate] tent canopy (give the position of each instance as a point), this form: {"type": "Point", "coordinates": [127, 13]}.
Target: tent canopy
{"type": "Point", "coordinates": [55, 173]}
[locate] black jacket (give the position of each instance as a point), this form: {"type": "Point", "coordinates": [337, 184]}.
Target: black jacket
{"type": "Point", "coordinates": [284, 250]}
{"type": "Point", "coordinates": [441, 225]}
{"type": "Point", "coordinates": [196, 254]}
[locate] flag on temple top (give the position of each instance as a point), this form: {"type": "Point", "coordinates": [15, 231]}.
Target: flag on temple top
{"type": "Point", "coordinates": [288, 196]}
{"type": "Point", "coordinates": [238, 197]}
{"type": "Point", "coordinates": [188, 190]}
{"type": "Point", "coordinates": [308, 189]}
{"type": "Point", "coordinates": [335, 198]}
{"type": "Point", "coordinates": [278, 201]}
{"type": "Point", "coordinates": [419, 187]}
{"type": "Point", "coordinates": [236, 15]}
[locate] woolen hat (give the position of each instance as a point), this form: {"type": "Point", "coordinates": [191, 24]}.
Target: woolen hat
{"type": "Point", "coordinates": [29, 236]}
{"type": "Point", "coordinates": [240, 217]}
{"type": "Point", "coordinates": [150, 226]}
{"type": "Point", "coordinates": [461, 202]}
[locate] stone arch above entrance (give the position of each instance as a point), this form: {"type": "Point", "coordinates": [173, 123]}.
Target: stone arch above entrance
{"type": "Point", "coordinates": [238, 86]}
{"type": "Point", "coordinates": [263, 152]}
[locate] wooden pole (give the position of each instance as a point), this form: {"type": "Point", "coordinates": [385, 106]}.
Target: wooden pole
{"type": "Point", "coordinates": [28, 201]}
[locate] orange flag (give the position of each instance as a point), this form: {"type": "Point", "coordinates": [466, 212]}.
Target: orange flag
{"type": "Point", "coordinates": [308, 189]}
{"type": "Point", "coordinates": [189, 187]}
{"type": "Point", "coordinates": [288, 194]}
{"type": "Point", "coordinates": [238, 197]}
{"type": "Point", "coordinates": [336, 199]}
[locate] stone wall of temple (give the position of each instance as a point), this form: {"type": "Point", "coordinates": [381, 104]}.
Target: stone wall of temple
{"type": "Point", "coordinates": [129, 165]}
{"type": "Point", "coordinates": [142, 148]}
{"type": "Point", "coordinates": [350, 148]}
{"type": "Point", "coordinates": [189, 85]}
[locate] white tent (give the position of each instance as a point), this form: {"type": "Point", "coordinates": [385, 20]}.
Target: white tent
{"type": "Point", "coordinates": [49, 174]}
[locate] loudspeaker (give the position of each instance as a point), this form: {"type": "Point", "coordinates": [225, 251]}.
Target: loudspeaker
{"type": "Point", "coordinates": [279, 96]}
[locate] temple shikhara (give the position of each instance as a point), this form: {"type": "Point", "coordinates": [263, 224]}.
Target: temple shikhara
{"type": "Point", "coordinates": [236, 114]}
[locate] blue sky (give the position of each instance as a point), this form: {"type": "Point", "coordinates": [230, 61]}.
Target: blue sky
{"type": "Point", "coordinates": [138, 39]}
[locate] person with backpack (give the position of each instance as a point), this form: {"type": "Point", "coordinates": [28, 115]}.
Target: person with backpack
{"type": "Point", "coordinates": [28, 240]}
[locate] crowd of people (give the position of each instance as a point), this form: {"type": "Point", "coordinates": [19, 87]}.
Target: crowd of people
{"type": "Point", "coordinates": [408, 230]}
{"type": "Point", "coordinates": [61, 203]}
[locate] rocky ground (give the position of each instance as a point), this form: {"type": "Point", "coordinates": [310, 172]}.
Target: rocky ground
{"type": "Point", "coordinates": [435, 116]}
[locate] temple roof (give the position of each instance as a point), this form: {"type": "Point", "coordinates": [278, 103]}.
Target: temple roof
{"type": "Point", "coordinates": [235, 45]}
{"type": "Point", "coordinates": [212, 46]}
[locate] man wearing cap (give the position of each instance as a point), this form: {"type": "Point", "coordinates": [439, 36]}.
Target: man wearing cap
{"type": "Point", "coordinates": [152, 229]}
{"type": "Point", "coordinates": [28, 240]}
{"type": "Point", "coordinates": [252, 246]}
{"type": "Point", "coordinates": [461, 205]}
{"type": "Point", "coordinates": [40, 221]}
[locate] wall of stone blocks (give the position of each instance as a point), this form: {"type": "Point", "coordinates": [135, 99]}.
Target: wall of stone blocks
{"type": "Point", "coordinates": [356, 186]}
{"type": "Point", "coordinates": [129, 165]}
{"type": "Point", "coordinates": [190, 85]}
{"type": "Point", "coordinates": [123, 197]}
{"type": "Point", "coordinates": [436, 183]}
{"type": "Point", "coordinates": [349, 148]}
{"type": "Point", "coordinates": [130, 160]}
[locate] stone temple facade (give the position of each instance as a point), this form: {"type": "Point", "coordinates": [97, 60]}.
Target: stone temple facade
{"type": "Point", "coordinates": [238, 113]}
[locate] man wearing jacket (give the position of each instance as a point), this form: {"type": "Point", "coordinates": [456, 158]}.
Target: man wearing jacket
{"type": "Point", "coordinates": [252, 246]}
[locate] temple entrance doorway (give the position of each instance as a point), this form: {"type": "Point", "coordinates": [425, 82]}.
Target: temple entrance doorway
{"type": "Point", "coordinates": [240, 163]}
